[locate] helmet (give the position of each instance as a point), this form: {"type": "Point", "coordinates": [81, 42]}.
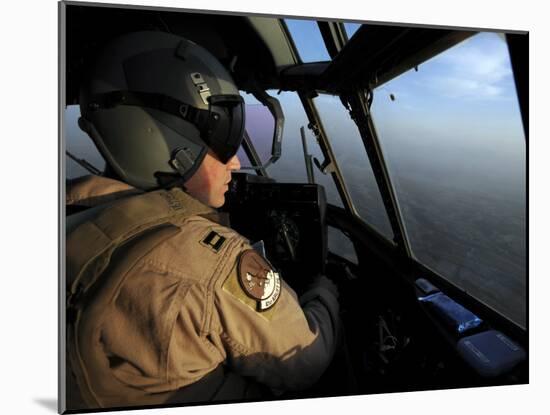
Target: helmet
{"type": "Point", "coordinates": [154, 103]}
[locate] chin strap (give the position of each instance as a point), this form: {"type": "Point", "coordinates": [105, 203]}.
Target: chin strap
{"type": "Point", "coordinates": [168, 181]}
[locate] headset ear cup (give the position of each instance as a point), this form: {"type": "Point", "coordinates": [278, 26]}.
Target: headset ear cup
{"type": "Point", "coordinates": [84, 125]}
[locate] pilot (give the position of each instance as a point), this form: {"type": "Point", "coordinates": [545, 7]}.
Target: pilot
{"type": "Point", "coordinates": [165, 302]}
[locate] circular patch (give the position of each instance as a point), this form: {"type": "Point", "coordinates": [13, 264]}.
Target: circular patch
{"type": "Point", "coordinates": [258, 280]}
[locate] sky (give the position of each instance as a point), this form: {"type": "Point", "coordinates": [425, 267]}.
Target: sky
{"type": "Point", "coordinates": [308, 40]}
{"type": "Point", "coordinates": [459, 105]}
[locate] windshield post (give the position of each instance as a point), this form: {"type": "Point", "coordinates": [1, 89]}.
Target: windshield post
{"type": "Point", "coordinates": [358, 108]}
{"type": "Point", "coordinates": [335, 38]}
{"type": "Point", "coordinates": [326, 149]}
{"type": "Point", "coordinates": [334, 35]}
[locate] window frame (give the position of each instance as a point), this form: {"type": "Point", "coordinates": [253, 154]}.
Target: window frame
{"type": "Point", "coordinates": [414, 268]}
{"type": "Point", "coordinates": [467, 298]}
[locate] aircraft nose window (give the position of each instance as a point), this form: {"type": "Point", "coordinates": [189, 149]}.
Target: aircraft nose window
{"type": "Point", "coordinates": [259, 127]}
{"type": "Point", "coordinates": [454, 144]}
{"type": "Point", "coordinates": [290, 167]}
{"type": "Point", "coordinates": [354, 162]}
{"type": "Point", "coordinates": [308, 40]}
{"type": "Point", "coordinates": [351, 28]}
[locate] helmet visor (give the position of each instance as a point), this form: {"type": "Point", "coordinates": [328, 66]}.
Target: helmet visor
{"type": "Point", "coordinates": [224, 129]}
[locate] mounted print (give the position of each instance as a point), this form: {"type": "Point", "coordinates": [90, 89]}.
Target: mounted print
{"type": "Point", "coordinates": [263, 208]}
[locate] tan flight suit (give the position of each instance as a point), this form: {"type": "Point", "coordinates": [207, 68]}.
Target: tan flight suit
{"type": "Point", "coordinates": [166, 319]}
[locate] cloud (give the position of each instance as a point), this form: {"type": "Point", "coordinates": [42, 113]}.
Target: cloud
{"type": "Point", "coordinates": [460, 87]}
{"type": "Point", "coordinates": [478, 68]}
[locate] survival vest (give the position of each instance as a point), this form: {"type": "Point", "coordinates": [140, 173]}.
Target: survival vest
{"type": "Point", "coordinates": [108, 240]}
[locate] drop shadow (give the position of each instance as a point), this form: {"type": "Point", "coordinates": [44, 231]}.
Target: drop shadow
{"type": "Point", "coordinates": [48, 403]}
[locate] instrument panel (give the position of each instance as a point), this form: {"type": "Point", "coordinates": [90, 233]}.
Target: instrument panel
{"type": "Point", "coordinates": [288, 217]}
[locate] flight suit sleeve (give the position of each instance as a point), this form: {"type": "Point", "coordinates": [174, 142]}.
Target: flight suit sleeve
{"type": "Point", "coordinates": [287, 346]}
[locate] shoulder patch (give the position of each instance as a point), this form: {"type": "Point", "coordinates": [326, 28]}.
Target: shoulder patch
{"type": "Point", "coordinates": [258, 280]}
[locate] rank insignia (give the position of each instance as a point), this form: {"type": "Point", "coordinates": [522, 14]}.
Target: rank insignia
{"type": "Point", "coordinates": [258, 280]}
{"type": "Point", "coordinates": [214, 241]}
